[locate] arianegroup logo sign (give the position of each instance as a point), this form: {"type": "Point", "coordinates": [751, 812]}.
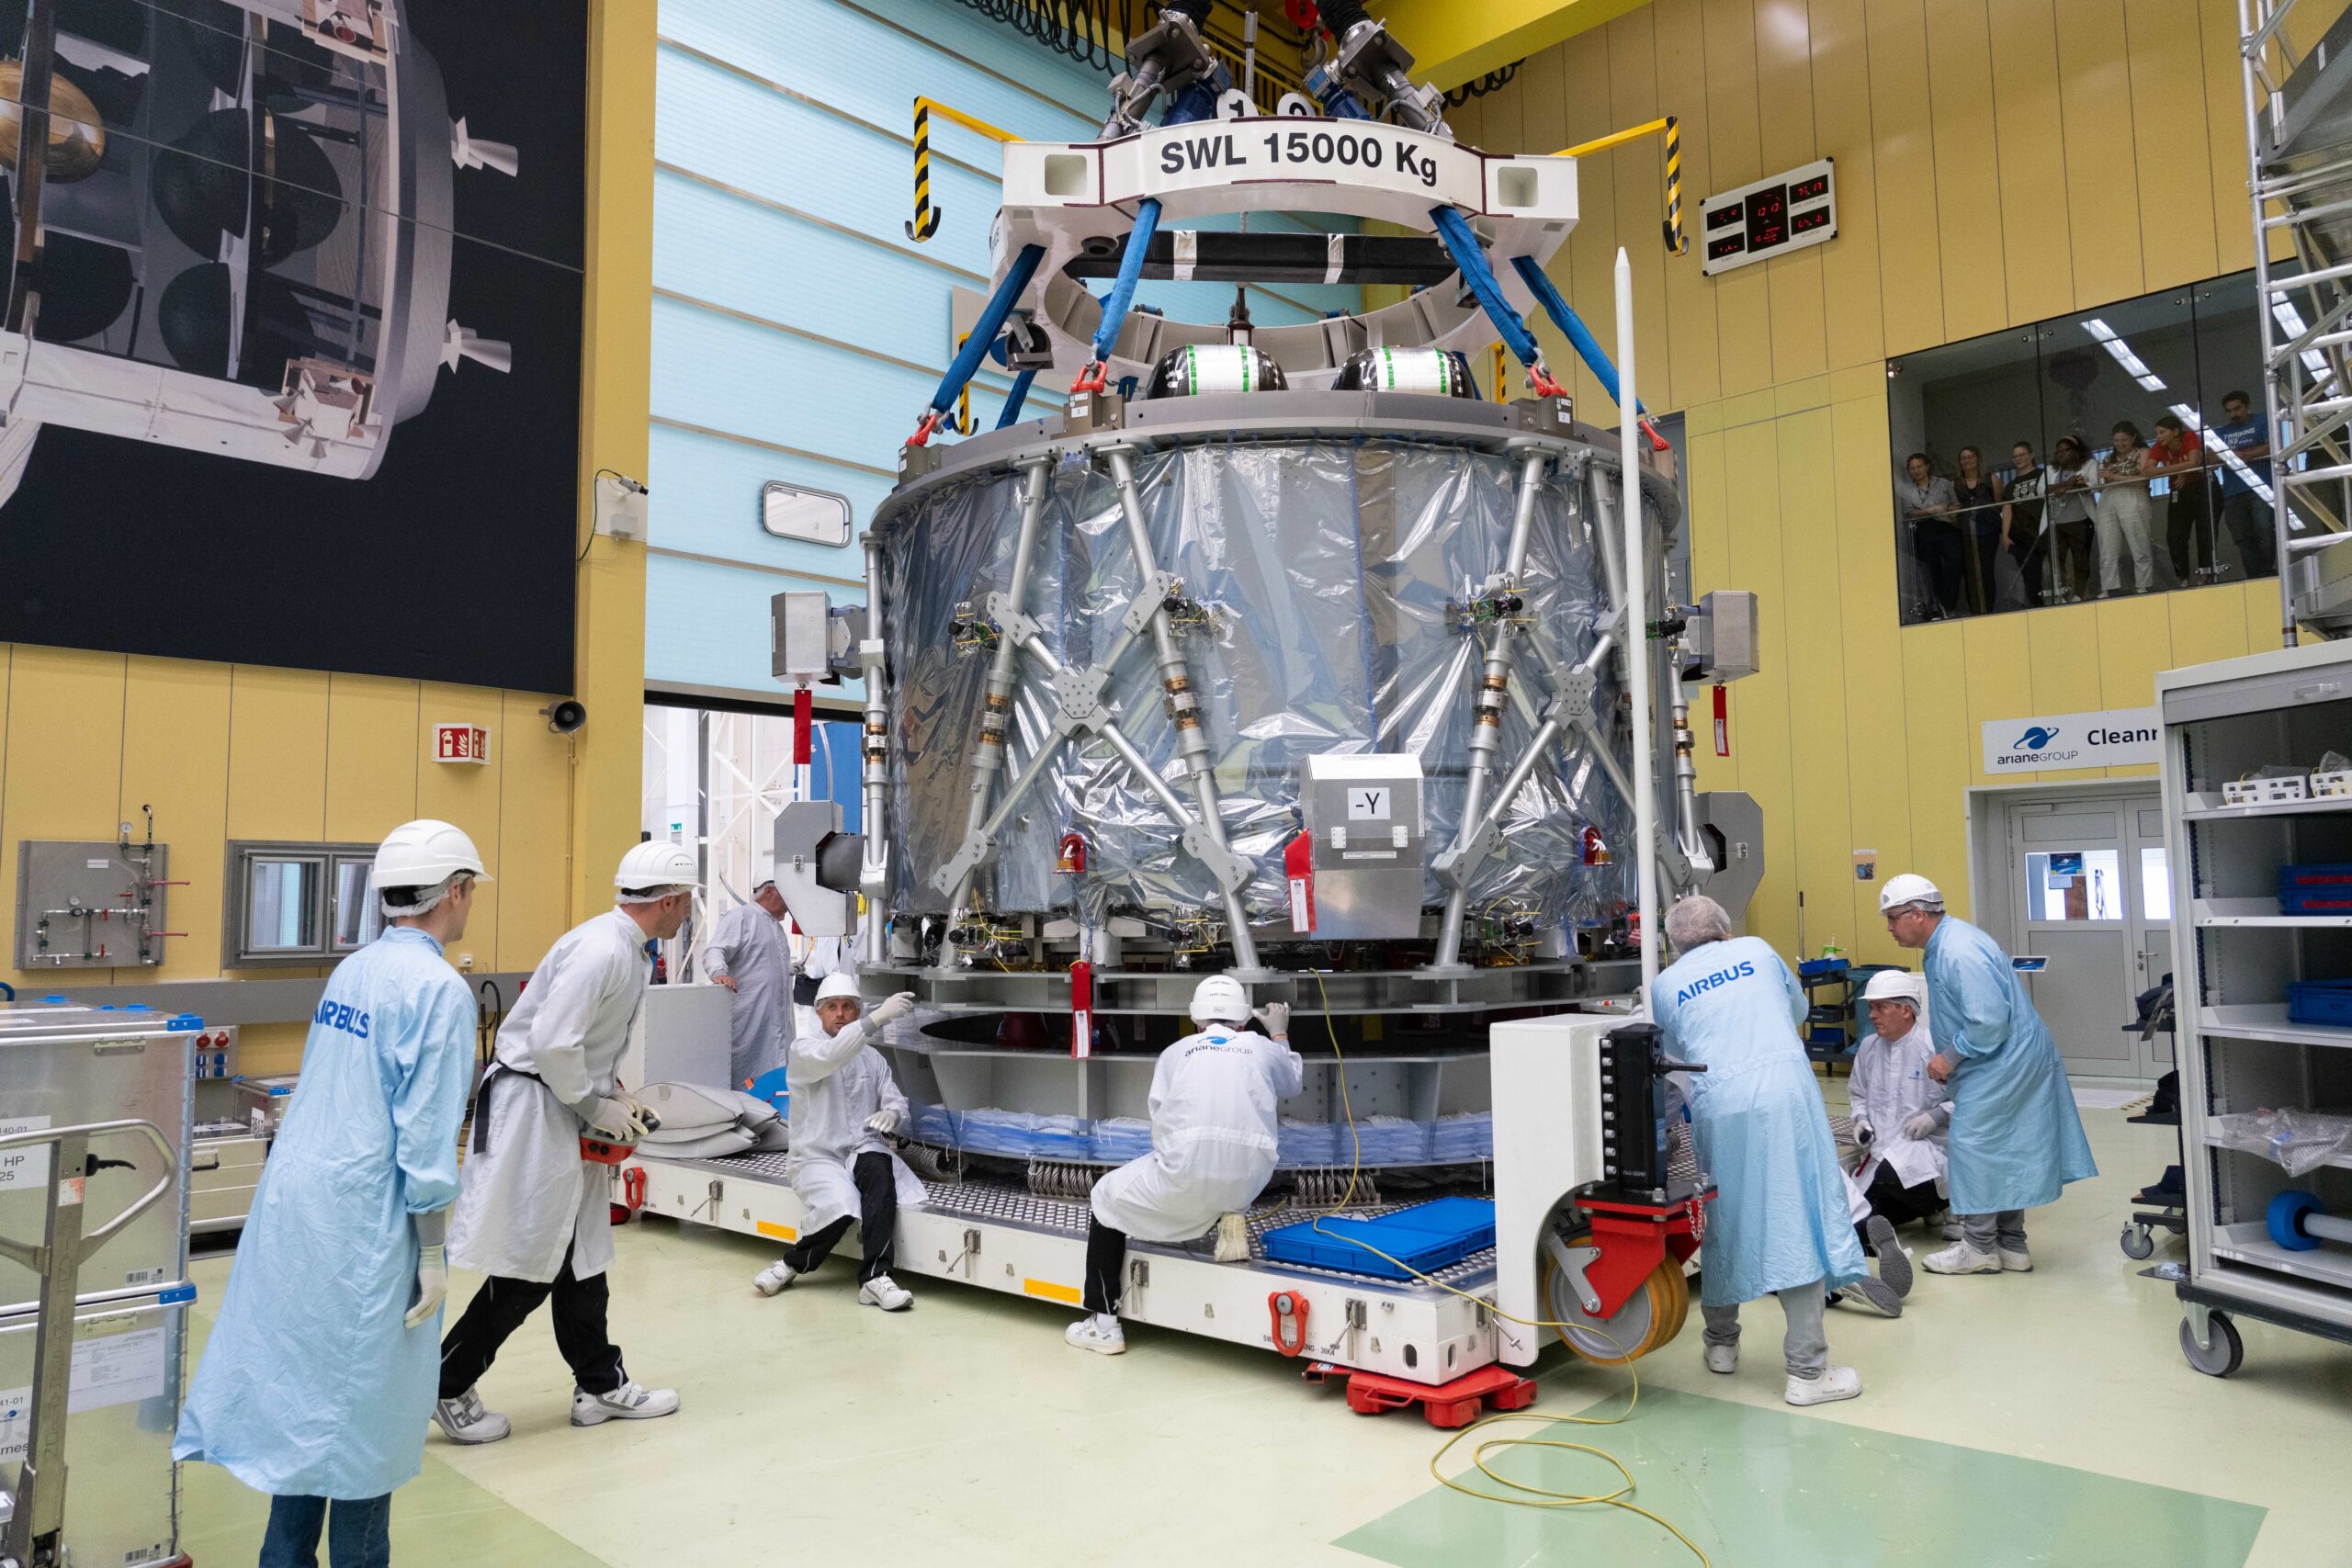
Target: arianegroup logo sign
{"type": "Point", "coordinates": [2114, 737]}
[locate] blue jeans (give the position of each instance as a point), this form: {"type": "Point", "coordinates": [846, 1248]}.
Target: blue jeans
{"type": "Point", "coordinates": [359, 1534]}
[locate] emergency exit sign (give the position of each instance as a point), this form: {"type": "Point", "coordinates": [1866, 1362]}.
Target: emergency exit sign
{"type": "Point", "coordinates": [1771, 218]}
{"type": "Point", "coordinates": [461, 743]}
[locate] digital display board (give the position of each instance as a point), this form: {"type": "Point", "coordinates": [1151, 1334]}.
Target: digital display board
{"type": "Point", "coordinates": [1772, 217]}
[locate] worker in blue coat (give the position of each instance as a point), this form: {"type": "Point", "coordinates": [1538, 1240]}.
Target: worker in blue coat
{"type": "Point", "coordinates": [318, 1379]}
{"type": "Point", "coordinates": [1779, 1224]}
{"type": "Point", "coordinates": [2015, 1138]}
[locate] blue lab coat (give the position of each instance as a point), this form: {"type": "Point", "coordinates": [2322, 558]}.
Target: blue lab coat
{"type": "Point", "coordinates": [1780, 1217]}
{"type": "Point", "coordinates": [2016, 1138]}
{"type": "Point", "coordinates": [310, 1385]}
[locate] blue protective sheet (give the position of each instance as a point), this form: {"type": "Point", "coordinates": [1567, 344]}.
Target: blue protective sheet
{"type": "Point", "coordinates": [1422, 1240]}
{"type": "Point", "coordinates": [1465, 1138]}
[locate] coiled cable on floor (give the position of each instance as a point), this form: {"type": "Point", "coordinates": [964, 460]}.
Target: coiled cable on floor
{"type": "Point", "coordinates": [1522, 1493]}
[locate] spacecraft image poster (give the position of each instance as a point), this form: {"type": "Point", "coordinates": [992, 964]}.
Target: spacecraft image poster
{"type": "Point", "coordinates": [290, 332]}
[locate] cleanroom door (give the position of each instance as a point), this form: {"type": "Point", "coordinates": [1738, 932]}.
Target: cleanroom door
{"type": "Point", "coordinates": [2069, 861]}
{"type": "Point", "coordinates": [2148, 870]}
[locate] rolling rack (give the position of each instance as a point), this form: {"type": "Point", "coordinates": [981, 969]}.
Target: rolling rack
{"type": "Point", "coordinates": [2252, 952]}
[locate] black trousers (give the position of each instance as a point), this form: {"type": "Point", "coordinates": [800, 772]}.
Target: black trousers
{"type": "Point", "coordinates": [1896, 1203]}
{"type": "Point", "coordinates": [2188, 528]}
{"type": "Point", "coordinates": [1106, 1257]}
{"type": "Point", "coordinates": [499, 1308]}
{"type": "Point", "coordinates": [2248, 521]}
{"type": "Point", "coordinates": [878, 1223]}
{"type": "Point", "coordinates": [1942, 554]}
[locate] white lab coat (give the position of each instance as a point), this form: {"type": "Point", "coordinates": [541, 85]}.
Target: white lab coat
{"type": "Point", "coordinates": [526, 1198]}
{"type": "Point", "coordinates": [839, 1080]}
{"type": "Point", "coordinates": [1889, 1085]}
{"type": "Point", "coordinates": [1214, 1126]}
{"type": "Point", "coordinates": [748, 947]}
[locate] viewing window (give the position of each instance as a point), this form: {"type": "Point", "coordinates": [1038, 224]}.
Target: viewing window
{"type": "Point", "coordinates": [298, 903]}
{"type": "Point", "coordinates": [2094, 456]}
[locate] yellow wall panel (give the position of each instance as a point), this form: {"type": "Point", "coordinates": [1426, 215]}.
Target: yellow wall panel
{"type": "Point", "coordinates": [1935, 679]}
{"type": "Point", "coordinates": [2063, 643]}
{"type": "Point", "coordinates": [1709, 486]}
{"type": "Point", "coordinates": [174, 714]}
{"type": "Point", "coordinates": [1762, 740]}
{"type": "Point", "coordinates": [1879, 760]}
{"type": "Point", "coordinates": [278, 753]}
{"type": "Point", "coordinates": [2135, 642]}
{"type": "Point", "coordinates": [2206, 625]}
{"type": "Point", "coordinates": [1785, 119]}
{"type": "Point", "coordinates": [2169, 106]}
{"type": "Point", "coordinates": [1821, 725]}
{"type": "Point", "coordinates": [2264, 616]}
{"type": "Point", "coordinates": [1639, 185]}
{"type": "Point", "coordinates": [64, 761]}
{"type": "Point", "coordinates": [1854, 321]}
{"type": "Point", "coordinates": [1695, 373]}
{"type": "Point", "coordinates": [1592, 249]}
{"type": "Point", "coordinates": [1969, 223]}
{"type": "Point", "coordinates": [372, 756]}
{"type": "Point", "coordinates": [1736, 157]}
{"type": "Point", "coordinates": [1909, 215]}
{"type": "Point", "coordinates": [535, 903]}
{"type": "Point", "coordinates": [2000, 679]}
{"type": "Point", "coordinates": [2217, 31]}
{"type": "Point", "coordinates": [2102, 184]}
{"type": "Point", "coordinates": [469, 795]}
{"type": "Point", "coordinates": [2037, 248]}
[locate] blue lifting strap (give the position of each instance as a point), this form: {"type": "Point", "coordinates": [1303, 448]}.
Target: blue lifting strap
{"type": "Point", "coordinates": [1016, 400]}
{"type": "Point", "coordinates": [1123, 291]}
{"type": "Point", "coordinates": [1579, 337]}
{"type": "Point", "coordinates": [985, 331]}
{"type": "Point", "coordinates": [1455, 233]}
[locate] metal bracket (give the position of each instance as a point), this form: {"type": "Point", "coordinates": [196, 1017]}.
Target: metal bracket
{"type": "Point", "coordinates": [1010, 620]}
{"type": "Point", "coordinates": [1138, 1274]}
{"type": "Point", "coordinates": [1572, 702]}
{"type": "Point", "coordinates": [1573, 1261]}
{"type": "Point", "coordinates": [1156, 592]}
{"type": "Point", "coordinates": [1078, 698]}
{"type": "Point", "coordinates": [1451, 867]}
{"type": "Point", "coordinates": [2200, 1322]}
{"type": "Point", "coordinates": [977, 850]}
{"type": "Point", "coordinates": [1232, 872]}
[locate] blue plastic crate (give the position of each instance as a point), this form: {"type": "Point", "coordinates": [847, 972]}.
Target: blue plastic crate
{"type": "Point", "coordinates": [2319, 1001]}
{"type": "Point", "coordinates": [2314, 876]}
{"type": "Point", "coordinates": [1330, 1246]}
{"type": "Point", "coordinates": [2315, 901]}
{"type": "Point", "coordinates": [1470, 1217]}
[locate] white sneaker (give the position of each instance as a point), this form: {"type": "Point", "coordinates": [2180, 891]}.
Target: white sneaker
{"type": "Point", "coordinates": [463, 1420]}
{"type": "Point", "coordinates": [1875, 1294]}
{"type": "Point", "coordinates": [885, 1292]}
{"type": "Point", "coordinates": [1723, 1359]}
{"type": "Point", "coordinates": [1833, 1384]}
{"type": "Point", "coordinates": [2018, 1262]}
{"type": "Point", "coordinates": [627, 1402]}
{"type": "Point", "coordinates": [1953, 1230]}
{"type": "Point", "coordinates": [775, 1278]}
{"type": "Point", "coordinates": [1098, 1331]}
{"type": "Point", "coordinates": [1893, 1262]}
{"type": "Point", "coordinates": [1961, 1258]}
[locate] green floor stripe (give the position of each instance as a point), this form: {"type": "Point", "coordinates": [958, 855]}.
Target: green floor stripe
{"type": "Point", "coordinates": [1760, 1487]}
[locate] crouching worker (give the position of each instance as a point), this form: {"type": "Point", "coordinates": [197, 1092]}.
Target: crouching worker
{"type": "Point", "coordinates": [1899, 1116]}
{"type": "Point", "coordinates": [1214, 1124]}
{"type": "Point", "coordinates": [845, 1106]}
{"type": "Point", "coordinates": [1779, 1224]}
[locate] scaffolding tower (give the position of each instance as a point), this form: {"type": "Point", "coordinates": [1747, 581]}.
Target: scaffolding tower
{"type": "Point", "coordinates": [2299, 142]}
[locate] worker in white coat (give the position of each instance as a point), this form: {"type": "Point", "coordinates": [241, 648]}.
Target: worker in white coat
{"type": "Point", "coordinates": [845, 1105]}
{"type": "Point", "coordinates": [533, 1217]}
{"type": "Point", "coordinates": [317, 1381]}
{"type": "Point", "coordinates": [1215, 1120]}
{"type": "Point", "coordinates": [1899, 1113]}
{"type": "Point", "coordinates": [746, 954]}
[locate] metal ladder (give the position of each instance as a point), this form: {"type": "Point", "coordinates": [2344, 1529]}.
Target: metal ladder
{"type": "Point", "coordinates": [2299, 142]}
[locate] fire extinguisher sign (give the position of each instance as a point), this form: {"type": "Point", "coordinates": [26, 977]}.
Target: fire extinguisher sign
{"type": "Point", "coordinates": [461, 743]}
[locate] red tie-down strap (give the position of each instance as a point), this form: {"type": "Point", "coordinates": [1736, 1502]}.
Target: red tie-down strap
{"type": "Point", "coordinates": [1081, 1008]}
{"type": "Point", "coordinates": [804, 724]}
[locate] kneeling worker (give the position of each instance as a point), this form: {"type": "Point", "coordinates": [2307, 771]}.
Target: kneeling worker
{"type": "Point", "coordinates": [1899, 1115]}
{"type": "Point", "coordinates": [844, 1103]}
{"type": "Point", "coordinates": [1214, 1122]}
{"type": "Point", "coordinates": [1779, 1224]}
{"type": "Point", "coordinates": [530, 1217]}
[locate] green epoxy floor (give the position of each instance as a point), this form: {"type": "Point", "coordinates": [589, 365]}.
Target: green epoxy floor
{"type": "Point", "coordinates": [2047, 1416]}
{"type": "Point", "coordinates": [1753, 1485]}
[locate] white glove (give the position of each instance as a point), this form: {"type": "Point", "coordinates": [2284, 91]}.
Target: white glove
{"type": "Point", "coordinates": [890, 1009]}
{"type": "Point", "coordinates": [883, 1122]}
{"type": "Point", "coordinates": [1923, 1125]}
{"type": "Point", "coordinates": [1275, 1016]}
{"type": "Point", "coordinates": [1862, 1133]}
{"type": "Point", "coordinates": [432, 1284]}
{"type": "Point", "coordinates": [619, 1120]}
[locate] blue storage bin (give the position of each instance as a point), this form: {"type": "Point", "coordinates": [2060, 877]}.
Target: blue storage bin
{"type": "Point", "coordinates": [1471, 1218]}
{"type": "Point", "coordinates": [2315, 890]}
{"type": "Point", "coordinates": [2319, 1001]}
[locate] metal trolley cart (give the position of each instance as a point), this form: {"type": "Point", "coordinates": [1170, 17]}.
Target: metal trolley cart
{"type": "Point", "coordinates": [2254, 954]}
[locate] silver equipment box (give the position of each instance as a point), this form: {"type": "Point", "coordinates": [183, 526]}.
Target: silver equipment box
{"type": "Point", "coordinates": [682, 1037]}
{"type": "Point", "coordinates": [1362, 815]}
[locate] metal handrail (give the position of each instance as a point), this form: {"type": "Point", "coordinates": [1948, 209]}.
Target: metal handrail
{"type": "Point", "coordinates": [29, 1254]}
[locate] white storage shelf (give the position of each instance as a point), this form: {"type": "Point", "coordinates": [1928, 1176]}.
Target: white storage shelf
{"type": "Point", "coordinates": [2262, 912]}
{"type": "Point", "coordinates": [2249, 1242]}
{"type": "Point", "coordinates": [2270, 1021]}
{"type": "Point", "coordinates": [2215, 1143]}
{"type": "Point", "coordinates": [2205, 806]}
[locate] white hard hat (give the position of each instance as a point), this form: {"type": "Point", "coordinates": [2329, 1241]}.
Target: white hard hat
{"type": "Point", "coordinates": [1893, 986]}
{"type": "Point", "coordinates": [840, 983]}
{"type": "Point", "coordinates": [1220, 999]}
{"type": "Point", "coordinates": [1908, 888]}
{"type": "Point", "coordinates": [423, 853]}
{"type": "Point", "coordinates": [657, 863]}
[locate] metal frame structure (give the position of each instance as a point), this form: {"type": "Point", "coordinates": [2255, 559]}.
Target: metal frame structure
{"type": "Point", "coordinates": [2299, 140]}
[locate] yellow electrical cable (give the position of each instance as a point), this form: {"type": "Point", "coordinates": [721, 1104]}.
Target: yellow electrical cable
{"type": "Point", "coordinates": [1536, 1496]}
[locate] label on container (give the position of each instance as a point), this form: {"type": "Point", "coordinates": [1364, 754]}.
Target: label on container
{"type": "Point", "coordinates": [28, 1164]}
{"type": "Point", "coordinates": [1413, 370]}
{"type": "Point", "coordinates": [114, 1368]}
{"type": "Point", "coordinates": [1221, 368]}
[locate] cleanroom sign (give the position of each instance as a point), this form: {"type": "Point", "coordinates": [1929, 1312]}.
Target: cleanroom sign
{"type": "Point", "coordinates": [2112, 738]}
